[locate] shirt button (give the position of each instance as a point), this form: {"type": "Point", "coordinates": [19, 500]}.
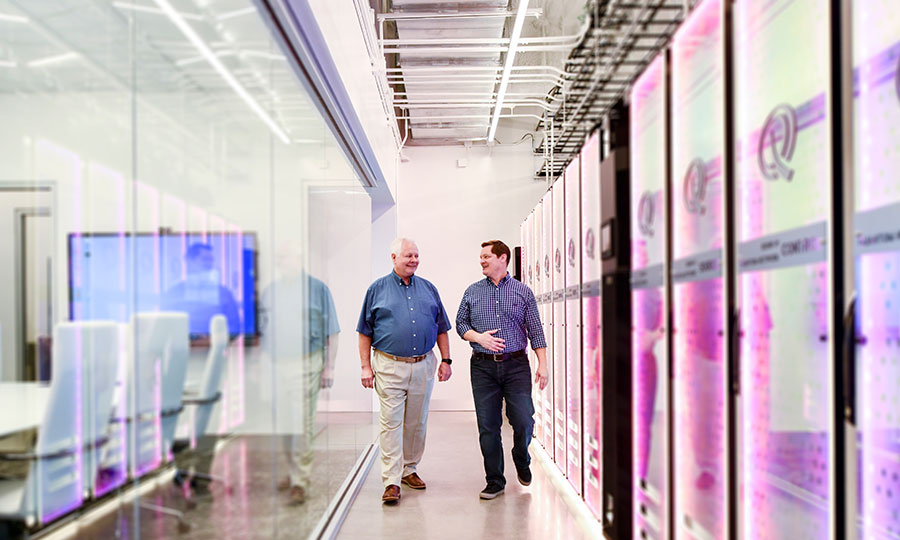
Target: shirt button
{"type": "Point", "coordinates": [414, 348]}
{"type": "Point", "coordinates": [410, 309]}
{"type": "Point", "coordinates": [414, 335]}
{"type": "Point", "coordinates": [414, 321]}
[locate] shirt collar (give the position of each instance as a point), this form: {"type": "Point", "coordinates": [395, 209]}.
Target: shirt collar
{"type": "Point", "coordinates": [503, 280]}
{"type": "Point", "coordinates": [399, 279]}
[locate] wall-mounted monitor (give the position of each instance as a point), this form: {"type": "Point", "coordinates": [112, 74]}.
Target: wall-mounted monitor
{"type": "Point", "coordinates": [112, 275]}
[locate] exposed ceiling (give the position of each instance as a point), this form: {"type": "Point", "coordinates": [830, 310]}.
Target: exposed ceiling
{"type": "Point", "coordinates": [575, 58]}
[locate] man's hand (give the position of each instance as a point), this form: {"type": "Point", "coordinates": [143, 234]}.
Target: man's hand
{"type": "Point", "coordinates": [444, 372]}
{"type": "Point", "coordinates": [540, 376]}
{"type": "Point", "coordinates": [367, 378]}
{"type": "Point", "coordinates": [327, 378]}
{"type": "Point", "coordinates": [488, 341]}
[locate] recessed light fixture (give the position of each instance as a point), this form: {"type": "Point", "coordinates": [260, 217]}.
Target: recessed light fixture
{"type": "Point", "coordinates": [8, 17]}
{"type": "Point", "coordinates": [226, 75]}
{"type": "Point", "coordinates": [55, 59]}
{"type": "Point", "coordinates": [153, 11]}
{"type": "Point", "coordinates": [236, 13]}
{"type": "Point", "coordinates": [507, 68]}
{"type": "Point", "coordinates": [8, 64]}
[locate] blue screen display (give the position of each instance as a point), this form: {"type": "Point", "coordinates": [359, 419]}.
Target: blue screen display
{"type": "Point", "coordinates": [113, 275]}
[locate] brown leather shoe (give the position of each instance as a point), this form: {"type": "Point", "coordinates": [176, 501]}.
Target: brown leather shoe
{"type": "Point", "coordinates": [284, 484]}
{"type": "Point", "coordinates": [413, 481]}
{"type": "Point", "coordinates": [391, 494]}
{"type": "Point", "coordinates": [297, 496]}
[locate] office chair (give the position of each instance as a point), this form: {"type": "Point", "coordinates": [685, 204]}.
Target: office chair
{"type": "Point", "coordinates": [197, 451]}
{"type": "Point", "coordinates": [161, 347]}
{"type": "Point", "coordinates": [69, 434]}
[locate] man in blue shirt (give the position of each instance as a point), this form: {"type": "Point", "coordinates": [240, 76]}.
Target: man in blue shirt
{"type": "Point", "coordinates": [300, 325]}
{"type": "Point", "coordinates": [498, 315]}
{"type": "Point", "coordinates": [402, 318]}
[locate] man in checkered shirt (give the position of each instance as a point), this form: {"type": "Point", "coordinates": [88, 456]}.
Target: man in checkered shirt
{"type": "Point", "coordinates": [498, 315]}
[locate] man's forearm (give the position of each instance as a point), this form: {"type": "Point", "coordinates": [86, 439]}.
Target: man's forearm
{"type": "Point", "coordinates": [443, 343]}
{"type": "Point", "coordinates": [541, 354]}
{"type": "Point", "coordinates": [470, 335]}
{"type": "Point", "coordinates": [365, 351]}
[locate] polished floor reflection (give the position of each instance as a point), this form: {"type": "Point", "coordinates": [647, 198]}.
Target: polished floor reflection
{"type": "Point", "coordinates": [249, 504]}
{"type": "Point", "coordinates": [450, 508]}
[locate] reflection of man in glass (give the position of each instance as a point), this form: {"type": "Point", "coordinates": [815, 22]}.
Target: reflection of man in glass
{"type": "Point", "coordinates": [303, 322]}
{"type": "Point", "coordinates": [201, 295]}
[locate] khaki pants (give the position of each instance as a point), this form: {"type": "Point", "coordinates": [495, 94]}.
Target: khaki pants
{"type": "Point", "coordinates": [404, 391]}
{"type": "Point", "coordinates": [302, 397]}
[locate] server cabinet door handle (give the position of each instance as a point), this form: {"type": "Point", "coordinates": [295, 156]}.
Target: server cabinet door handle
{"type": "Point", "coordinates": [849, 362]}
{"type": "Point", "coordinates": [736, 351]}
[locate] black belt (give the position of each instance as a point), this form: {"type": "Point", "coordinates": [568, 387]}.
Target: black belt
{"type": "Point", "coordinates": [499, 357]}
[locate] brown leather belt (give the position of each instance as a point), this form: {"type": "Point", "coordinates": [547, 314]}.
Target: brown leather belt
{"type": "Point", "coordinates": [407, 359]}
{"type": "Point", "coordinates": [499, 357]}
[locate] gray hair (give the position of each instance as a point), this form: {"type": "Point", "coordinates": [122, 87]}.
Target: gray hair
{"type": "Point", "coordinates": [397, 244]}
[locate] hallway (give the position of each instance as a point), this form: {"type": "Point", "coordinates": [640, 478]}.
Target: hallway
{"type": "Point", "coordinates": [450, 508]}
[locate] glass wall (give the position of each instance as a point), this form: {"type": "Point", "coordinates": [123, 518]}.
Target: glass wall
{"type": "Point", "coordinates": [185, 250]}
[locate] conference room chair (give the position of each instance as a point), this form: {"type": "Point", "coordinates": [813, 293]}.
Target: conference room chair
{"type": "Point", "coordinates": [70, 432]}
{"type": "Point", "coordinates": [194, 454]}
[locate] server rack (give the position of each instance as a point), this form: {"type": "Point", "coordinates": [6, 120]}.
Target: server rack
{"type": "Point", "coordinates": [784, 178]}
{"type": "Point", "coordinates": [534, 271]}
{"type": "Point", "coordinates": [874, 369]}
{"type": "Point", "coordinates": [528, 279]}
{"type": "Point", "coordinates": [700, 302]}
{"type": "Point", "coordinates": [650, 302]}
{"type": "Point", "coordinates": [547, 319]}
{"type": "Point", "coordinates": [572, 302]}
{"type": "Point", "coordinates": [591, 316]}
{"type": "Point", "coordinates": [615, 267]}
{"type": "Point", "coordinates": [558, 279]}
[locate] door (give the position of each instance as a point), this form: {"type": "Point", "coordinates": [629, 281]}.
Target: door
{"type": "Point", "coordinates": [876, 412]}
{"type": "Point", "coordinates": [36, 316]}
{"type": "Point", "coordinates": [783, 184]}
{"type": "Point", "coordinates": [699, 300]}
{"type": "Point", "coordinates": [649, 306]}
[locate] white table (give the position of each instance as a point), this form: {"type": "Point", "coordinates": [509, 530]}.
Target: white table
{"type": "Point", "coordinates": [22, 406]}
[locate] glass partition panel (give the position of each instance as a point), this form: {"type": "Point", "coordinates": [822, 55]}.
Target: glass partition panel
{"type": "Point", "coordinates": [191, 249]}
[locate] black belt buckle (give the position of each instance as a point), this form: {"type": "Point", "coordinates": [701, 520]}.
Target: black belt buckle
{"type": "Point", "coordinates": [498, 357]}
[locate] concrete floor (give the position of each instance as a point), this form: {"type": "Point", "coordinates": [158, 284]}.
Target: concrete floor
{"type": "Point", "coordinates": [450, 508]}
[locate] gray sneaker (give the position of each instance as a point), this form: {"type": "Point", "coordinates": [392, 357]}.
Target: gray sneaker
{"type": "Point", "coordinates": [491, 491]}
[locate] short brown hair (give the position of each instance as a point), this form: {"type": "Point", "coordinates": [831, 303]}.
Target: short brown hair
{"type": "Point", "coordinates": [498, 248]}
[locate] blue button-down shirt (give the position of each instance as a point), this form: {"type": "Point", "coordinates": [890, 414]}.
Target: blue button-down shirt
{"type": "Point", "coordinates": [401, 319]}
{"type": "Point", "coordinates": [509, 306]}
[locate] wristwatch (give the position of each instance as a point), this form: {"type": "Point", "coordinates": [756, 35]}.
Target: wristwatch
{"type": "Point", "coordinates": [447, 360]}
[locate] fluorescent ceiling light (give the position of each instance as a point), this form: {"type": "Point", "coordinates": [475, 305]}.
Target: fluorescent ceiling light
{"type": "Point", "coordinates": [55, 59]}
{"type": "Point", "coordinates": [152, 10]}
{"type": "Point", "coordinates": [211, 57]}
{"type": "Point", "coordinates": [236, 13]}
{"type": "Point", "coordinates": [507, 67]}
{"type": "Point", "coordinates": [8, 17]}
{"type": "Point", "coordinates": [8, 64]}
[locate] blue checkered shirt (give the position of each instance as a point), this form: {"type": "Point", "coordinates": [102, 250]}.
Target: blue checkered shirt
{"type": "Point", "coordinates": [509, 306]}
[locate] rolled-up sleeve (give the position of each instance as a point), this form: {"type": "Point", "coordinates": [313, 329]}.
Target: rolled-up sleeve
{"type": "Point", "coordinates": [463, 323]}
{"type": "Point", "coordinates": [533, 323]}
{"type": "Point", "coordinates": [366, 326]}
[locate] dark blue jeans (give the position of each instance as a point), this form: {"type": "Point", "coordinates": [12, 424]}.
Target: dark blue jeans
{"type": "Point", "coordinates": [493, 382]}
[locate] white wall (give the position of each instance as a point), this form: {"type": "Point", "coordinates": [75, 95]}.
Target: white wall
{"type": "Point", "coordinates": [339, 24]}
{"type": "Point", "coordinates": [449, 211]}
